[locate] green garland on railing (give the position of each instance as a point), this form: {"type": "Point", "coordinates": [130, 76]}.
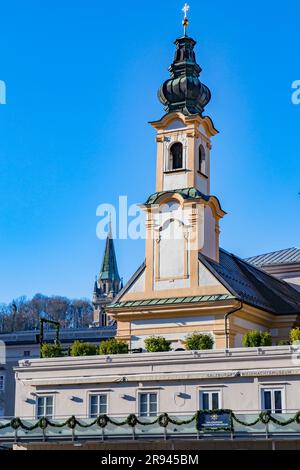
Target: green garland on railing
{"type": "Point", "coordinates": [266, 417]}
{"type": "Point", "coordinates": [163, 420]}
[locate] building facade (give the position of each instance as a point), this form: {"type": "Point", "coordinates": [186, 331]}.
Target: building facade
{"type": "Point", "coordinates": [24, 345]}
{"type": "Point", "coordinates": [245, 380]}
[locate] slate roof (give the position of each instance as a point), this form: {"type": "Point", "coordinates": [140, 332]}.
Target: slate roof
{"type": "Point", "coordinates": [288, 256]}
{"type": "Point", "coordinates": [252, 285]}
{"type": "Point", "coordinates": [244, 281]}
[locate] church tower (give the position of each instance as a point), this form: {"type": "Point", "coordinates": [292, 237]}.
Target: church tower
{"type": "Point", "coordinates": [107, 284]}
{"type": "Point", "coordinates": [182, 216]}
{"type": "Point", "coordinates": [187, 283]}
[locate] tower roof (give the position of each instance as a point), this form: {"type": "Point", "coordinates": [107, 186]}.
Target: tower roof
{"type": "Point", "coordinates": [183, 91]}
{"type": "Point", "coordinates": [109, 269]}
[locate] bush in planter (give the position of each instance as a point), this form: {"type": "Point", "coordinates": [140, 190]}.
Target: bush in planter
{"type": "Point", "coordinates": [295, 335]}
{"type": "Point", "coordinates": [157, 344]}
{"type": "Point", "coordinates": [283, 342]}
{"type": "Point", "coordinates": [198, 341]}
{"type": "Point", "coordinates": [254, 339]}
{"type": "Point", "coordinates": [51, 350]}
{"type": "Point", "coordinates": [113, 346]}
{"type": "Point", "coordinates": [79, 348]}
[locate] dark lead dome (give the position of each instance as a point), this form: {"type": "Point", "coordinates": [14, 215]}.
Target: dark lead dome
{"type": "Point", "coordinates": [183, 91]}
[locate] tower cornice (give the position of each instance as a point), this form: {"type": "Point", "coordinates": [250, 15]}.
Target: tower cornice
{"type": "Point", "coordinates": [193, 121]}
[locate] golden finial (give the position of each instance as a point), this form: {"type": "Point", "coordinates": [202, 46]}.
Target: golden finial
{"type": "Point", "coordinates": [185, 21]}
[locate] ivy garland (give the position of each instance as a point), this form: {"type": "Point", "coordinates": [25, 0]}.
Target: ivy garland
{"type": "Point", "coordinates": [163, 420]}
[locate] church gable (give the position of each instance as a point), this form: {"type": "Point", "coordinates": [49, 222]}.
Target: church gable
{"type": "Point", "coordinates": [136, 288]}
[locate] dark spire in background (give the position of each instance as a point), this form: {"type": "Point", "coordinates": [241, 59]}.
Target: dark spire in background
{"type": "Point", "coordinates": [108, 283]}
{"type": "Point", "coordinates": [95, 286]}
{"type": "Point", "coordinates": [109, 269]}
{"type": "Point", "coordinates": [183, 91]}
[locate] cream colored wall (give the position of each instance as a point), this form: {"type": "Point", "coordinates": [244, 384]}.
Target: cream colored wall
{"type": "Point", "coordinates": [171, 255]}
{"type": "Point", "coordinates": [206, 278]}
{"type": "Point", "coordinates": [138, 285]}
{"type": "Point", "coordinates": [202, 184]}
{"type": "Point", "coordinates": [209, 248]}
{"type": "Point", "coordinates": [238, 340]}
{"type": "Point", "coordinates": [248, 325]}
{"type": "Point", "coordinates": [177, 328]}
{"type": "Point", "coordinates": [175, 180]}
{"type": "Point", "coordinates": [202, 181]}
{"type": "Point", "coordinates": [172, 329]}
{"type": "Point", "coordinates": [239, 375]}
{"type": "Point", "coordinates": [172, 284]}
{"type": "Point", "coordinates": [170, 322]}
{"type": "Point", "coordinates": [176, 124]}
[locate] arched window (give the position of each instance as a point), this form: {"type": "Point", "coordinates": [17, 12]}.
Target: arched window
{"type": "Point", "coordinates": [176, 156]}
{"type": "Point", "coordinates": [202, 160]}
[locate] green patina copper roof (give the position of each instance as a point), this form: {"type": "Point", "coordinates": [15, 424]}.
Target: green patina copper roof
{"type": "Point", "coordinates": [173, 300]}
{"type": "Point", "coordinates": [184, 91]}
{"type": "Point", "coordinates": [109, 269]}
{"type": "Point", "coordinates": [186, 193]}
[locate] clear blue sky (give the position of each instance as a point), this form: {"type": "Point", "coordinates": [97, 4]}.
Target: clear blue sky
{"type": "Point", "coordinates": [81, 82]}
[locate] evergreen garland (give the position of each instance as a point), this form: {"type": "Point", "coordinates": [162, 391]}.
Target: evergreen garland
{"type": "Point", "coordinates": [163, 420]}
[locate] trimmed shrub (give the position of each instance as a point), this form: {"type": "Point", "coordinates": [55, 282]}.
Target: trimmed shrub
{"type": "Point", "coordinates": [157, 344]}
{"type": "Point", "coordinates": [255, 339]}
{"type": "Point", "coordinates": [79, 348]}
{"type": "Point", "coordinates": [113, 346]}
{"type": "Point", "coordinates": [198, 341]}
{"type": "Point", "coordinates": [51, 350]}
{"type": "Point", "coordinates": [283, 342]}
{"type": "Point", "coordinates": [295, 335]}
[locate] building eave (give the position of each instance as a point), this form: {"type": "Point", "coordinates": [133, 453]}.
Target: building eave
{"type": "Point", "coordinates": [193, 120]}
{"type": "Point", "coordinates": [174, 301]}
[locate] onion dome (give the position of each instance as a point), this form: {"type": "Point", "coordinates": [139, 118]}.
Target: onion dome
{"type": "Point", "coordinates": [183, 91]}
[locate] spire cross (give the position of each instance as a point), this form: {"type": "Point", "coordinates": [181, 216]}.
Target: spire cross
{"type": "Point", "coordinates": [185, 21]}
{"type": "Point", "coordinates": [185, 9]}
